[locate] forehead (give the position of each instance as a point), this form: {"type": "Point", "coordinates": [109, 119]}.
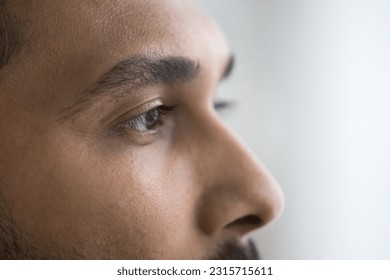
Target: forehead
{"type": "Point", "coordinates": [158, 27]}
{"type": "Point", "coordinates": [71, 43]}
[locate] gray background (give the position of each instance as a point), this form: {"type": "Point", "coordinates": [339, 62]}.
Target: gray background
{"type": "Point", "coordinates": [312, 81]}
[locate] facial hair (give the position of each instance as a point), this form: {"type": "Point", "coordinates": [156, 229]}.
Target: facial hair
{"type": "Point", "coordinates": [234, 250]}
{"type": "Point", "coordinates": [14, 245]}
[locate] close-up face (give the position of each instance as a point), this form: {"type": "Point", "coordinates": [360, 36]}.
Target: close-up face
{"type": "Point", "coordinates": [111, 146]}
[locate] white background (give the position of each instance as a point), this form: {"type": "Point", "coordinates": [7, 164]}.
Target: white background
{"type": "Point", "coordinates": [280, 270]}
{"type": "Point", "coordinates": [313, 83]}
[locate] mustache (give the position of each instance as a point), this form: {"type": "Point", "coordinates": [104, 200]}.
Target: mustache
{"type": "Point", "coordinates": [234, 250]}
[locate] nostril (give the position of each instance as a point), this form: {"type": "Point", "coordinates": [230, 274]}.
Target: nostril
{"type": "Point", "coordinates": [249, 220]}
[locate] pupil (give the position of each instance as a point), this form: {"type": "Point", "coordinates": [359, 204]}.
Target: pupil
{"type": "Point", "coordinates": [151, 118]}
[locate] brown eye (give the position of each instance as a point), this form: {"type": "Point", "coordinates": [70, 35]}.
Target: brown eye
{"type": "Point", "coordinates": [145, 122]}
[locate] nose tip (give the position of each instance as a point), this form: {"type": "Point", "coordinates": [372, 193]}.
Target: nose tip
{"type": "Point", "coordinates": [240, 209]}
{"type": "Point", "coordinates": [265, 210]}
{"type": "Point", "coordinates": [242, 195]}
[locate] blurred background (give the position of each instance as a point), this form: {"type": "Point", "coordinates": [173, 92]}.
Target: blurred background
{"type": "Point", "coordinates": [312, 81]}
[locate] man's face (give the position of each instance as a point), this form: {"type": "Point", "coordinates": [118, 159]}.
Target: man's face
{"type": "Point", "coordinates": [110, 146]}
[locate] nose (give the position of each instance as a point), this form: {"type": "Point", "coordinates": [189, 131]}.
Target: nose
{"type": "Point", "coordinates": [239, 194]}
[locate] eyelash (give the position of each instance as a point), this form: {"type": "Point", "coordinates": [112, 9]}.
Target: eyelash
{"type": "Point", "coordinates": [151, 120]}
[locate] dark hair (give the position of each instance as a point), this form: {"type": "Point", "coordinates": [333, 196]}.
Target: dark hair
{"type": "Point", "coordinates": [8, 36]}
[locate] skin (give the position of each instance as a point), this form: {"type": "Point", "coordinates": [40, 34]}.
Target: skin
{"type": "Point", "coordinates": [73, 188]}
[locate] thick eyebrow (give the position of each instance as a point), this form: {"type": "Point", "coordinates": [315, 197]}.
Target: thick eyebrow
{"type": "Point", "coordinates": [143, 71]}
{"type": "Point", "coordinates": [138, 72]}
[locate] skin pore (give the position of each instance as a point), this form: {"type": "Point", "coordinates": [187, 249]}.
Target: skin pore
{"type": "Point", "coordinates": [110, 145]}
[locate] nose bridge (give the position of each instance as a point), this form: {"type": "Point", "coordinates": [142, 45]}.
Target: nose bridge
{"type": "Point", "coordinates": [239, 193]}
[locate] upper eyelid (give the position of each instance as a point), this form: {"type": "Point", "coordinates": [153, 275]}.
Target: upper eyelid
{"type": "Point", "coordinates": [137, 111]}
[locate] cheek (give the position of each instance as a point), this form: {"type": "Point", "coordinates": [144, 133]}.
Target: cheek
{"type": "Point", "coordinates": [155, 198]}
{"type": "Point", "coordinates": [101, 200]}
